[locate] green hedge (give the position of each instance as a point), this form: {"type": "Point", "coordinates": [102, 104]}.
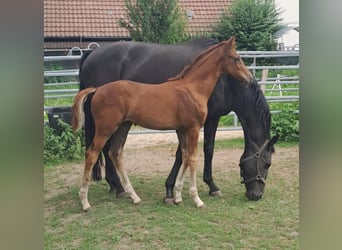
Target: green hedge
{"type": "Point", "coordinates": [62, 144]}
{"type": "Point", "coordinates": [286, 122]}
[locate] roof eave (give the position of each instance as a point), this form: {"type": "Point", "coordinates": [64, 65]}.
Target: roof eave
{"type": "Point", "coordinates": [84, 38]}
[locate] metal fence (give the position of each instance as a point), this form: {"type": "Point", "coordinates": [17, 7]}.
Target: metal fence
{"type": "Point", "coordinates": [61, 85]}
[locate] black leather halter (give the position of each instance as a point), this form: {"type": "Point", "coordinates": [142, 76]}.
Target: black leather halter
{"type": "Point", "coordinates": [257, 155]}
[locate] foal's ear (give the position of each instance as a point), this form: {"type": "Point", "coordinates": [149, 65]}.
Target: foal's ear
{"type": "Point", "coordinates": [231, 42]}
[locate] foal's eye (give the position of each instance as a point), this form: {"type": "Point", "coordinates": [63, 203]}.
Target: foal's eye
{"type": "Point", "coordinates": [235, 58]}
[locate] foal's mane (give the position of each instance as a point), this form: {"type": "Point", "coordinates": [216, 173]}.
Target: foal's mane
{"type": "Point", "coordinates": [188, 67]}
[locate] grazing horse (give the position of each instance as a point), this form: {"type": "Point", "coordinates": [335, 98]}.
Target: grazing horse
{"type": "Point", "coordinates": [154, 63]}
{"type": "Point", "coordinates": [179, 104]}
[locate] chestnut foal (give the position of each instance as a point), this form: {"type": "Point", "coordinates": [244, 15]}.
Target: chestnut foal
{"type": "Point", "coordinates": [180, 104]}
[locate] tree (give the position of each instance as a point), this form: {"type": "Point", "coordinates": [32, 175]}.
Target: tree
{"type": "Point", "coordinates": [158, 21]}
{"type": "Point", "coordinates": [253, 22]}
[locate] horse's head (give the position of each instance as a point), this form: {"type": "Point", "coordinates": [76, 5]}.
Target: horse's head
{"type": "Point", "coordinates": [254, 168]}
{"type": "Point", "coordinates": [233, 65]}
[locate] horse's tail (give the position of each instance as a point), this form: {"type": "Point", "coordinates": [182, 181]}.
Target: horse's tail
{"type": "Point", "coordinates": [77, 109]}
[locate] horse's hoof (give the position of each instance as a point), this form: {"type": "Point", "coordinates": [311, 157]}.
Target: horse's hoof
{"type": "Point", "coordinates": [123, 195]}
{"type": "Point", "coordinates": [169, 201]}
{"type": "Point", "coordinates": [202, 206]}
{"type": "Point", "coordinates": [217, 194]}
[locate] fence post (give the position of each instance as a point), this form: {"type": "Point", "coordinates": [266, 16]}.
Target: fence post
{"type": "Point", "coordinates": [264, 75]}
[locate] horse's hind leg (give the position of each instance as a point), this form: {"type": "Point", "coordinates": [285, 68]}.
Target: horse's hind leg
{"type": "Point", "coordinates": [91, 156]}
{"type": "Point", "coordinates": [117, 143]}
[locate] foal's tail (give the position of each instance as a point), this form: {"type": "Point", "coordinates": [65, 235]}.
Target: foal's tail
{"type": "Point", "coordinates": [77, 109]}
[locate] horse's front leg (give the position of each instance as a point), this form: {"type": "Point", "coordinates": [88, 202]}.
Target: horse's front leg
{"type": "Point", "coordinates": [171, 179]}
{"type": "Point", "coordinates": [210, 128]}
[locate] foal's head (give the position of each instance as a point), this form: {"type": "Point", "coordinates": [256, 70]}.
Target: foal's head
{"type": "Point", "coordinates": [233, 65]}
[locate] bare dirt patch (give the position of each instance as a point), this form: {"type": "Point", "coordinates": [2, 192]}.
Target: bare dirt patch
{"type": "Point", "coordinates": [154, 154]}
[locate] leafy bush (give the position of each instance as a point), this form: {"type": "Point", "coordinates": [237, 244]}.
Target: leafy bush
{"type": "Point", "coordinates": [157, 21]}
{"type": "Point", "coordinates": [286, 122]}
{"type": "Point", "coordinates": [253, 22]}
{"type": "Point", "coordinates": [62, 144]}
{"type": "Point", "coordinates": [226, 121]}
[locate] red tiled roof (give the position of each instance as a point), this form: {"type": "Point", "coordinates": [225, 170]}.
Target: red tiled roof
{"type": "Point", "coordinates": [205, 13]}
{"type": "Point", "coordinates": [83, 18]}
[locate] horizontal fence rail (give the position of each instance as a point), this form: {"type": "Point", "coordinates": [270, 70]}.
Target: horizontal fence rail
{"type": "Point", "coordinates": [61, 80]}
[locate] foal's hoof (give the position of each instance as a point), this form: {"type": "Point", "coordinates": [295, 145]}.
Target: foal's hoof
{"type": "Point", "coordinates": [178, 201]}
{"type": "Point", "coordinates": [86, 208]}
{"type": "Point", "coordinates": [217, 194]}
{"type": "Point", "coordinates": [169, 201]}
{"type": "Point", "coordinates": [136, 200]}
{"type": "Point", "coordinates": [123, 195]}
{"type": "Point", "coordinates": [202, 206]}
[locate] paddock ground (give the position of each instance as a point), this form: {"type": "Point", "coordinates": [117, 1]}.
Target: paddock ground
{"type": "Point", "coordinates": [149, 157]}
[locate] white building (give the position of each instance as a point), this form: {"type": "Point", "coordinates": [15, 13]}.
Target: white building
{"type": "Point", "coordinates": [288, 38]}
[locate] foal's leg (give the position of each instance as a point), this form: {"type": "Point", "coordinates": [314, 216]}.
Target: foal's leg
{"type": "Point", "coordinates": [117, 143]}
{"type": "Point", "coordinates": [191, 161]}
{"type": "Point", "coordinates": [188, 142]}
{"type": "Point", "coordinates": [111, 175]}
{"type": "Point", "coordinates": [91, 156]}
{"type": "Point", "coordinates": [181, 172]}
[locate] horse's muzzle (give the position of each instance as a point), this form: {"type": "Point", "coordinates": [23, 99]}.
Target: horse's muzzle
{"type": "Point", "coordinates": [254, 196]}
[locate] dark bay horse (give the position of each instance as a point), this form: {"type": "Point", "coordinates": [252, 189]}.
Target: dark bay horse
{"type": "Point", "coordinates": [179, 104]}
{"type": "Point", "coordinates": [154, 63]}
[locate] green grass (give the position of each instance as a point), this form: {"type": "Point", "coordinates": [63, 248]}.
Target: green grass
{"type": "Point", "coordinates": [231, 222]}
{"type": "Point", "coordinates": [239, 143]}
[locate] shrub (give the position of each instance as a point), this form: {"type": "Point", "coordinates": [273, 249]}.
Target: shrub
{"type": "Point", "coordinates": [286, 122]}
{"type": "Point", "coordinates": [62, 144]}
{"type": "Point", "coordinates": [157, 21]}
{"type": "Point", "coordinates": [253, 22]}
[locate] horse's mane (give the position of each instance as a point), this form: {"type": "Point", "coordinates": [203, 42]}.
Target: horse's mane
{"type": "Point", "coordinates": [188, 67]}
{"type": "Point", "coordinates": [260, 103]}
